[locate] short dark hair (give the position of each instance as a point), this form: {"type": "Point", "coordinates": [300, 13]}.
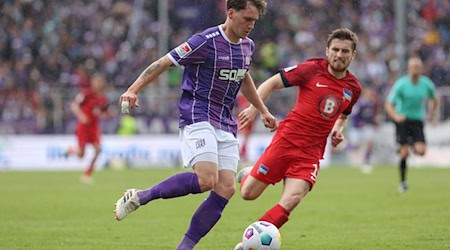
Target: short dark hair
{"type": "Point", "coordinates": [242, 4]}
{"type": "Point", "coordinates": [343, 34]}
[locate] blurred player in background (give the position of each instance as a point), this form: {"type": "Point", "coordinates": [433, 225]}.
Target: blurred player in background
{"type": "Point", "coordinates": [363, 122]}
{"type": "Point", "coordinates": [89, 106]}
{"type": "Point", "coordinates": [327, 93]}
{"type": "Point", "coordinates": [216, 64]}
{"type": "Point", "coordinates": [406, 105]}
{"type": "Point", "coordinates": [246, 132]}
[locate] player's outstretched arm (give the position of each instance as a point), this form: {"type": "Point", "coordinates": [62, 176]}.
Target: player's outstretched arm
{"type": "Point", "coordinates": [337, 133]}
{"type": "Point", "coordinates": [268, 86]}
{"type": "Point", "coordinates": [109, 112]}
{"type": "Point", "coordinates": [248, 89]}
{"type": "Point", "coordinates": [75, 107]}
{"type": "Point", "coordinates": [390, 110]}
{"type": "Point", "coordinates": [146, 77]}
{"type": "Point", "coordinates": [264, 91]}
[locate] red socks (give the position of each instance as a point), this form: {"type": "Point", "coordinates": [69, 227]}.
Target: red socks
{"type": "Point", "coordinates": [277, 215]}
{"type": "Point", "coordinates": [89, 170]}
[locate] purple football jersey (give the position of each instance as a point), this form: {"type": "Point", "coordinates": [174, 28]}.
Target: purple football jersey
{"type": "Point", "coordinates": [364, 113]}
{"type": "Point", "coordinates": [214, 68]}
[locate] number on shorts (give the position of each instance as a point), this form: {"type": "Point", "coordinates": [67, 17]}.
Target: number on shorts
{"type": "Point", "coordinates": [314, 173]}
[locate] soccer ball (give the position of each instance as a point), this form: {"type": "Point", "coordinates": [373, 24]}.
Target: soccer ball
{"type": "Point", "coordinates": [261, 235]}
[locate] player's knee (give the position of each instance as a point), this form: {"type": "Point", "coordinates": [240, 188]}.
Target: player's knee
{"type": "Point", "coordinates": [225, 187]}
{"type": "Point", "coordinates": [80, 153]}
{"type": "Point", "coordinates": [420, 152]}
{"type": "Point", "coordinates": [207, 182]}
{"type": "Point", "coordinates": [230, 190]}
{"type": "Point", "coordinates": [225, 190]}
{"type": "Point", "coordinates": [420, 149]}
{"type": "Point", "coordinates": [404, 152]}
{"type": "Point", "coordinates": [248, 193]}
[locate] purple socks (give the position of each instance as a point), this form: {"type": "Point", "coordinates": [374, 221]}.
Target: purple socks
{"type": "Point", "coordinates": [206, 216]}
{"type": "Point", "coordinates": [177, 185]}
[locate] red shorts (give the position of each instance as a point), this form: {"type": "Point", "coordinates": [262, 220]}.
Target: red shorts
{"type": "Point", "coordinates": [87, 135]}
{"type": "Point", "coordinates": [283, 159]}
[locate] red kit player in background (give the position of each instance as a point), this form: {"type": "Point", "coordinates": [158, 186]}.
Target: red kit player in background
{"type": "Point", "coordinates": [89, 106]}
{"type": "Point", "coordinates": [327, 93]}
{"type": "Point", "coordinates": [245, 132]}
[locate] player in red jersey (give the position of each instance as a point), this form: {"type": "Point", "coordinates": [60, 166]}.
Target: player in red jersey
{"type": "Point", "coordinates": [327, 93]}
{"type": "Point", "coordinates": [243, 103]}
{"type": "Point", "coordinates": [89, 106]}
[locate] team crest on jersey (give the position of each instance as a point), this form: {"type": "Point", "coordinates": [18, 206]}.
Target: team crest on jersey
{"type": "Point", "coordinates": [329, 106]}
{"type": "Point", "coordinates": [183, 50]}
{"type": "Point", "coordinates": [347, 95]}
{"type": "Point", "coordinates": [224, 58]}
{"type": "Point", "coordinates": [263, 169]}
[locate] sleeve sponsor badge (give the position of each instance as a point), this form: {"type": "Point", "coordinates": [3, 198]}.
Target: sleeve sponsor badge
{"type": "Point", "coordinates": [183, 50]}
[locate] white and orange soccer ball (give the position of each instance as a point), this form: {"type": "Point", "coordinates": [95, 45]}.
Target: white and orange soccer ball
{"type": "Point", "coordinates": [261, 235]}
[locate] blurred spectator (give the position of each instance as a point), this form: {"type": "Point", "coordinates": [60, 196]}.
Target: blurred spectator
{"type": "Point", "coordinates": [127, 125]}
{"type": "Point", "coordinates": [55, 45]}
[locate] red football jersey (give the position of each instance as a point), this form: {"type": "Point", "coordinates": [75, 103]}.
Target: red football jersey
{"type": "Point", "coordinates": [321, 99]}
{"type": "Point", "coordinates": [92, 106]}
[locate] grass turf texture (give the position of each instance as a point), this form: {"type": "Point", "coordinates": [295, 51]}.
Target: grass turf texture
{"type": "Point", "coordinates": [346, 210]}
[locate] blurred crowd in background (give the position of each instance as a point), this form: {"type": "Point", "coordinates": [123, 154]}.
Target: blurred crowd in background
{"type": "Point", "coordinates": [50, 48]}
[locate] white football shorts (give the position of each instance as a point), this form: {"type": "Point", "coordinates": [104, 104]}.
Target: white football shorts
{"type": "Point", "coordinates": [203, 142]}
{"type": "Point", "coordinates": [360, 136]}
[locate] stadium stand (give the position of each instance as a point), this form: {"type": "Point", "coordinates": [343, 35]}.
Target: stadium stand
{"type": "Point", "coordinates": [48, 49]}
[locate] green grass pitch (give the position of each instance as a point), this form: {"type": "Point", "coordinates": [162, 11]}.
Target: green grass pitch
{"type": "Point", "coordinates": [346, 210]}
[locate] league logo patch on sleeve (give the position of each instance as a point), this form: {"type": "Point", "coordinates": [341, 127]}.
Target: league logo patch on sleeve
{"type": "Point", "coordinates": [183, 50]}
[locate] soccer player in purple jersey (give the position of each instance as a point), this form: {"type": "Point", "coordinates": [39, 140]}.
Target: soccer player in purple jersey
{"type": "Point", "coordinates": [216, 64]}
{"type": "Point", "coordinates": [363, 122]}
